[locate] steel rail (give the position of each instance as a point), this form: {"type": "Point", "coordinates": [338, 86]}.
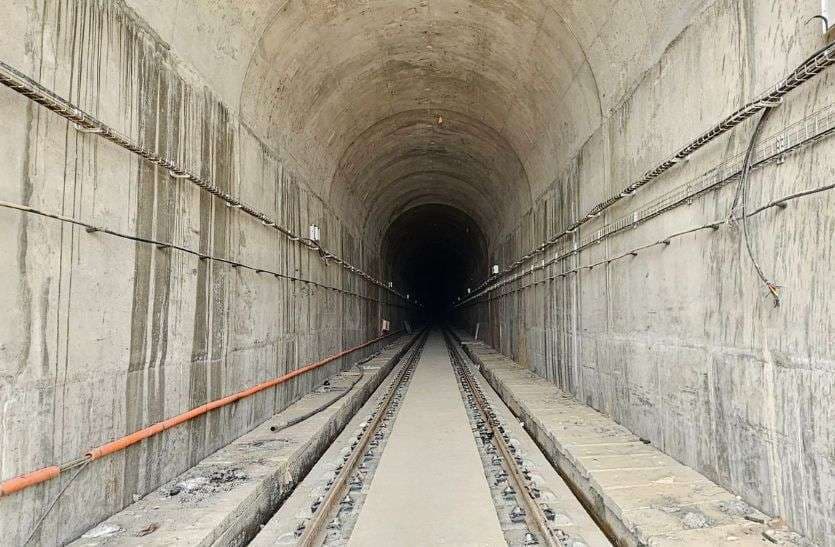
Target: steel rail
{"type": "Point", "coordinates": [534, 515]}
{"type": "Point", "coordinates": [314, 528]}
{"type": "Point", "coordinates": [22, 482]}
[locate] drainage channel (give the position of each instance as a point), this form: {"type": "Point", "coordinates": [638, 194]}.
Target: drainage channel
{"type": "Point", "coordinates": [336, 502]}
{"type": "Point", "coordinates": [530, 512]}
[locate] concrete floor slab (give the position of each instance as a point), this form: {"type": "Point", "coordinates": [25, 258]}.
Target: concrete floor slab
{"type": "Point", "coordinates": [643, 495]}
{"type": "Point", "coordinates": [281, 528]}
{"type": "Point", "coordinates": [225, 498]}
{"type": "Point", "coordinates": [430, 487]}
{"type": "Point", "coordinates": [570, 516]}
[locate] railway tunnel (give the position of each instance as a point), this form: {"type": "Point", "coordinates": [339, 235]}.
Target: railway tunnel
{"type": "Point", "coordinates": [417, 272]}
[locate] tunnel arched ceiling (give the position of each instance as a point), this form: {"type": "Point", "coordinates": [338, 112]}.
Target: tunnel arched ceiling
{"type": "Point", "coordinates": [416, 157]}
{"type": "Point", "coordinates": [354, 90]}
{"type": "Point", "coordinates": [333, 81]}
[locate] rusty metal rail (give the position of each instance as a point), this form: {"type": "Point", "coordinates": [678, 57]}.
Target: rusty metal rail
{"type": "Point", "coordinates": [534, 514]}
{"type": "Point", "coordinates": [313, 531]}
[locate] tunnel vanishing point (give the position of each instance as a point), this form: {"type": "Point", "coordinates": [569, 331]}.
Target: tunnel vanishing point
{"type": "Point", "coordinates": [412, 272]}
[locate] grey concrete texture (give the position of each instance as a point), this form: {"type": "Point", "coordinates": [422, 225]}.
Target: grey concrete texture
{"type": "Point", "coordinates": [570, 516]}
{"type": "Point", "coordinates": [682, 344]}
{"type": "Point", "coordinates": [296, 509]}
{"type": "Point", "coordinates": [643, 496]}
{"type": "Point", "coordinates": [520, 113]}
{"type": "Point", "coordinates": [429, 488]}
{"type": "Point", "coordinates": [225, 498]}
{"type": "Point", "coordinates": [101, 336]}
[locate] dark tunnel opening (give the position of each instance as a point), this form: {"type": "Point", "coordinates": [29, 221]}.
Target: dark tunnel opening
{"type": "Point", "coordinates": [437, 252]}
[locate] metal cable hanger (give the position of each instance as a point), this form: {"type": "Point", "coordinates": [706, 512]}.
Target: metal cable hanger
{"type": "Point", "coordinates": [816, 63]}
{"type": "Point", "coordinates": [87, 123]}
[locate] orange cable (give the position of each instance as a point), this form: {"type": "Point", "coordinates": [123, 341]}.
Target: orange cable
{"type": "Point", "coordinates": [21, 482]}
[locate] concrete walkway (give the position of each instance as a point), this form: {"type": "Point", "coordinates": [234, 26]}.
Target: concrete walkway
{"type": "Point", "coordinates": [430, 487]}
{"type": "Point", "coordinates": [644, 496]}
{"type": "Point", "coordinates": [263, 466]}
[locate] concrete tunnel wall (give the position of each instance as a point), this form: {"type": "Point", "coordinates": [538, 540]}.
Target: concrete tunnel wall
{"type": "Point", "coordinates": [509, 119]}
{"type": "Point", "coordinates": [102, 336]}
{"type": "Point", "coordinates": [682, 344]}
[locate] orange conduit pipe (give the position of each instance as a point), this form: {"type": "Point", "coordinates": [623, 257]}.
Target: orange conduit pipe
{"type": "Point", "coordinates": [21, 482]}
{"type": "Point", "coordinates": [29, 479]}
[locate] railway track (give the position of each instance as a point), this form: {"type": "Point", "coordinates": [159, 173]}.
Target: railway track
{"type": "Point", "coordinates": [526, 520]}
{"type": "Point", "coordinates": [326, 524]}
{"type": "Point", "coordinates": [515, 497]}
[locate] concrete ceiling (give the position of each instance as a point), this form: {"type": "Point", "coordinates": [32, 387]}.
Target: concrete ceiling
{"type": "Point", "coordinates": [353, 91]}
{"type": "Point", "coordinates": [442, 86]}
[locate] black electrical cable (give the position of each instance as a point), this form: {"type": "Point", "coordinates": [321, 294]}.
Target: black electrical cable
{"type": "Point", "coordinates": [93, 229]}
{"type": "Point", "coordinates": [317, 410]}
{"type": "Point", "coordinates": [747, 163]}
{"type": "Point", "coordinates": [741, 200]}
{"type": "Point", "coordinates": [290, 423]}
{"type": "Point", "coordinates": [781, 202]}
{"type": "Point", "coordinates": [87, 123]}
{"type": "Point", "coordinates": [801, 74]}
